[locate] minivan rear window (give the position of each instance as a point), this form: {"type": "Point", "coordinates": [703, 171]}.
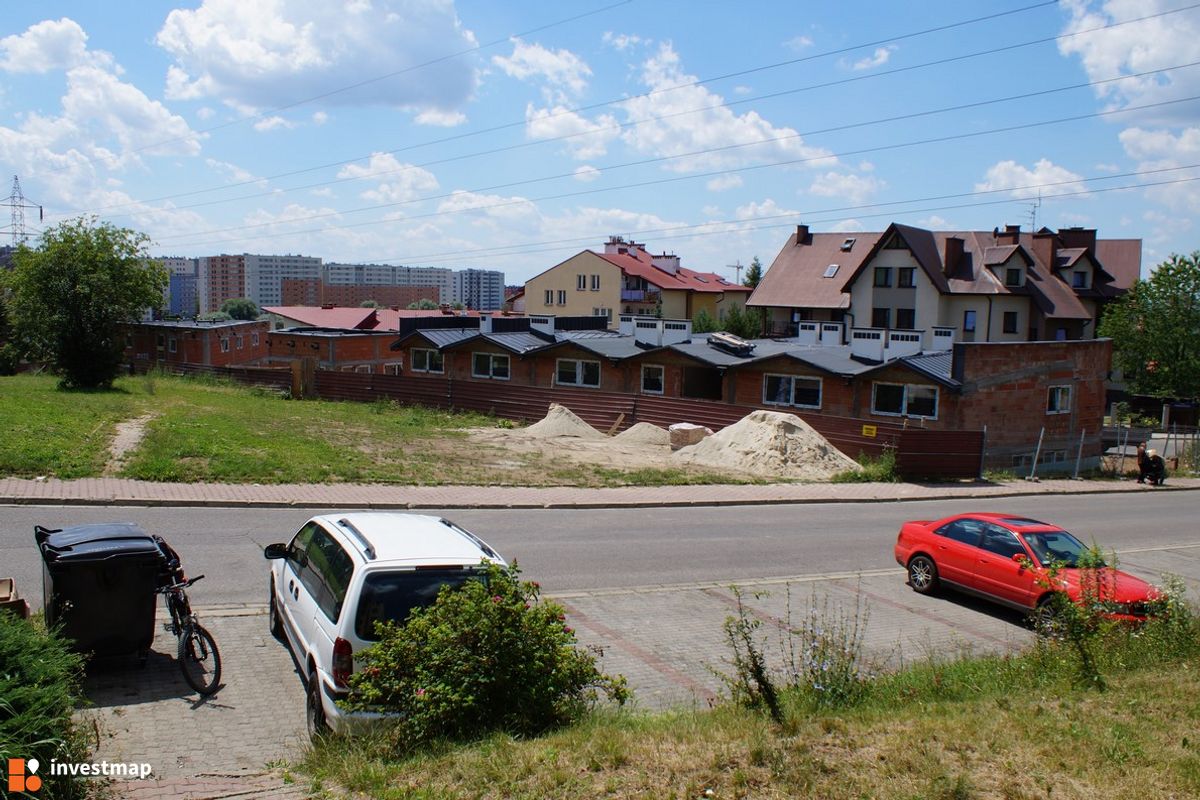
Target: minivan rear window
{"type": "Point", "coordinates": [391, 596]}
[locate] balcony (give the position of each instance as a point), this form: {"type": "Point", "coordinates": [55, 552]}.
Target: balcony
{"type": "Point", "coordinates": [640, 296]}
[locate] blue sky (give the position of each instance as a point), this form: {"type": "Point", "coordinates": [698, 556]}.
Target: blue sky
{"type": "Point", "coordinates": [512, 135]}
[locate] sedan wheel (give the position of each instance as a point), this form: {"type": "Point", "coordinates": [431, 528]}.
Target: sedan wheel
{"type": "Point", "coordinates": [922, 575]}
{"type": "Point", "coordinates": [314, 716]}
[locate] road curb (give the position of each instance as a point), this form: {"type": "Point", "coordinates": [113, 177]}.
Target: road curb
{"type": "Point", "coordinates": [407, 505]}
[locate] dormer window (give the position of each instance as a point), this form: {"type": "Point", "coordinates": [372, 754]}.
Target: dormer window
{"type": "Point", "coordinates": [1012, 276]}
{"type": "Point", "coordinates": [1079, 279]}
{"type": "Point", "coordinates": [831, 270]}
{"type": "Point", "coordinates": [847, 244]}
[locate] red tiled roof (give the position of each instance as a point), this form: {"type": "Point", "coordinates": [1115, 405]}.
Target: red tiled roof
{"type": "Point", "coordinates": [796, 279]}
{"type": "Point", "coordinates": [637, 263]}
{"type": "Point", "coordinates": [353, 318]}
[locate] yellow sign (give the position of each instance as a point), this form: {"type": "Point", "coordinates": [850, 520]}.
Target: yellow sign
{"type": "Point", "coordinates": [870, 430]}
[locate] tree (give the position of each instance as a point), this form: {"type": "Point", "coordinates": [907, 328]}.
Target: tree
{"type": "Point", "coordinates": [1155, 327]}
{"type": "Point", "coordinates": [754, 273]}
{"type": "Point", "coordinates": [240, 308]}
{"type": "Point", "coordinates": [746, 323]}
{"type": "Point", "coordinates": [703, 322]}
{"type": "Point", "coordinates": [424, 304]}
{"type": "Point", "coordinates": [368, 304]}
{"type": "Point", "coordinates": [214, 316]}
{"type": "Point", "coordinates": [71, 295]}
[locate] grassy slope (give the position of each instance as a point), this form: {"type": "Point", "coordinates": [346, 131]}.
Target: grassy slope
{"type": "Point", "coordinates": [1140, 738]}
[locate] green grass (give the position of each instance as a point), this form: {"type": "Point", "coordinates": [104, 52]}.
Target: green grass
{"type": "Point", "coordinates": [872, 469]}
{"type": "Point", "coordinates": [206, 429]}
{"type": "Point", "coordinates": [61, 433]}
{"type": "Point", "coordinates": [996, 727]}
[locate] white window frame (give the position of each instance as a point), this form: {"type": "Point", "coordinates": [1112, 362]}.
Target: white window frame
{"type": "Point", "coordinates": [1058, 407]}
{"type": "Point", "coordinates": [172, 345]}
{"type": "Point", "coordinates": [225, 345]}
{"type": "Point", "coordinates": [904, 412]}
{"type": "Point", "coordinates": [492, 357]}
{"type": "Point", "coordinates": [240, 341]}
{"type": "Point", "coordinates": [580, 282]}
{"type": "Point", "coordinates": [578, 382]}
{"type": "Point", "coordinates": [906, 272]}
{"type": "Point", "coordinates": [363, 368]}
{"type": "Point", "coordinates": [254, 339]}
{"type": "Point", "coordinates": [595, 283]}
{"type": "Point", "coordinates": [549, 297]}
{"type": "Point", "coordinates": [662, 378]}
{"type": "Point", "coordinates": [429, 354]}
{"type": "Point", "coordinates": [393, 368]}
{"type": "Point", "coordinates": [562, 297]}
{"type": "Point", "coordinates": [791, 401]}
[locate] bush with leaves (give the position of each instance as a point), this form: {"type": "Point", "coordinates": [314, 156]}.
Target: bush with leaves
{"type": "Point", "coordinates": [487, 656]}
{"type": "Point", "coordinates": [39, 689]}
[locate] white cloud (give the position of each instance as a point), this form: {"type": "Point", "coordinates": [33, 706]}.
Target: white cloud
{"type": "Point", "coordinates": [404, 182]}
{"type": "Point", "coordinates": [1026, 183]}
{"type": "Point", "coordinates": [876, 59]}
{"type": "Point", "coordinates": [665, 131]}
{"type": "Point", "coordinates": [440, 119]}
{"type": "Point", "coordinates": [742, 90]}
{"type": "Point", "coordinates": [1162, 149]}
{"type": "Point", "coordinates": [622, 41]}
{"type": "Point", "coordinates": [724, 182]}
{"type": "Point", "coordinates": [587, 173]}
{"type": "Point", "coordinates": [273, 122]}
{"type": "Point", "coordinates": [494, 206]}
{"type": "Point", "coordinates": [767, 208]}
{"type": "Point", "coordinates": [588, 139]}
{"type": "Point", "coordinates": [231, 172]}
{"type": "Point", "coordinates": [799, 42]}
{"type": "Point", "coordinates": [558, 69]}
{"type": "Point", "coordinates": [846, 187]}
{"type": "Point", "coordinates": [934, 223]}
{"type": "Point", "coordinates": [1137, 47]}
{"type": "Point", "coordinates": [205, 113]}
{"type": "Point", "coordinates": [320, 118]}
{"type": "Point", "coordinates": [45, 47]}
{"type": "Point", "coordinates": [277, 52]}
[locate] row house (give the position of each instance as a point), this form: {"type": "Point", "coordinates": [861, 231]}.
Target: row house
{"type": "Point", "coordinates": [627, 279]}
{"type": "Point", "coordinates": [984, 286]}
{"type": "Point", "coordinates": [1055, 388]}
{"type": "Point", "coordinates": [210, 344]}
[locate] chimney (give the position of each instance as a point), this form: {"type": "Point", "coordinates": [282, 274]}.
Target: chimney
{"type": "Point", "coordinates": [485, 323]}
{"type": "Point", "coordinates": [802, 235]}
{"type": "Point", "coordinates": [1010, 235]}
{"type": "Point", "coordinates": [952, 258]}
{"type": "Point", "coordinates": [668, 263]}
{"type": "Point", "coordinates": [1078, 237]}
{"type": "Point", "coordinates": [543, 324]}
{"type": "Point", "coordinates": [1045, 247]}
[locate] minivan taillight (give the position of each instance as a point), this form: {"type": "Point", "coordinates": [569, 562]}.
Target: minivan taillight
{"type": "Point", "coordinates": [343, 662]}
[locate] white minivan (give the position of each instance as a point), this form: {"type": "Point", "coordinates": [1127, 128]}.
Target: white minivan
{"type": "Point", "coordinates": [342, 573]}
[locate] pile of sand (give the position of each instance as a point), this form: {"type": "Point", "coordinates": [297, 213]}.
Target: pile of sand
{"type": "Point", "coordinates": [561, 421]}
{"type": "Point", "coordinates": [645, 433]}
{"type": "Point", "coordinates": [769, 444]}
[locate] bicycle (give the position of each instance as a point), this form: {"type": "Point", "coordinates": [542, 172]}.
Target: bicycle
{"type": "Point", "coordinates": [198, 656]}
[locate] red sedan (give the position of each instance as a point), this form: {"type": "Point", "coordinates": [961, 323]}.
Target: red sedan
{"type": "Point", "coordinates": [1004, 558]}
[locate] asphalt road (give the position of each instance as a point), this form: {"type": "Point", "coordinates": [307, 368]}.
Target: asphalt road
{"type": "Point", "coordinates": [578, 550]}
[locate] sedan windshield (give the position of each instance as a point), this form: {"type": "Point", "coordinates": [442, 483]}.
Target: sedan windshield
{"type": "Point", "coordinates": [1055, 547]}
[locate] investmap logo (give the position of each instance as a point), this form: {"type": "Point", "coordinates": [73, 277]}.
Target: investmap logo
{"type": "Point", "coordinates": [22, 775]}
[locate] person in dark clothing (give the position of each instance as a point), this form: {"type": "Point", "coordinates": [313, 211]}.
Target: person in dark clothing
{"type": "Point", "coordinates": [1143, 462]}
{"type": "Point", "coordinates": [1156, 468]}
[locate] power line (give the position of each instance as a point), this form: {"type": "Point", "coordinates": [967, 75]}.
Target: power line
{"type": "Point", "coordinates": [675, 179]}
{"type": "Point", "coordinates": [652, 93]}
{"type": "Point", "coordinates": [358, 85]}
{"type": "Point", "coordinates": [710, 150]}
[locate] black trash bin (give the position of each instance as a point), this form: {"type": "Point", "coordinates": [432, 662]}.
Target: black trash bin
{"type": "Point", "coordinates": [98, 582]}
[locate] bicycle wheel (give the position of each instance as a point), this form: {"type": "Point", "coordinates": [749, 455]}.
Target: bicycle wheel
{"type": "Point", "coordinates": [199, 659]}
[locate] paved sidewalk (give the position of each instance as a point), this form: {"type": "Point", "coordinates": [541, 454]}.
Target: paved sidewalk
{"type": "Point", "coordinates": [117, 491]}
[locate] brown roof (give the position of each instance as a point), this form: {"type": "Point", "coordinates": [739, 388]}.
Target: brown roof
{"type": "Point", "coordinates": [637, 262]}
{"type": "Point", "coordinates": [796, 279]}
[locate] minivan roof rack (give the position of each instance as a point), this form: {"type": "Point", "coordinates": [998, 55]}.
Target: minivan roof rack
{"type": "Point", "coordinates": [368, 550]}
{"type": "Point", "coordinates": [482, 545]}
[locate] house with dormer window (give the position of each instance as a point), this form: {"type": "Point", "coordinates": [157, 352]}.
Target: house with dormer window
{"type": "Point", "coordinates": [973, 286]}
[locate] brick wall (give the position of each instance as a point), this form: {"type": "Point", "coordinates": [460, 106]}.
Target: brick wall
{"type": "Point", "coordinates": [1006, 386]}
{"type": "Point", "coordinates": [216, 346]}
{"type": "Point", "coordinates": [364, 352]}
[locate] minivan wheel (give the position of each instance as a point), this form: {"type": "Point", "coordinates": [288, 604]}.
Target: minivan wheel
{"type": "Point", "coordinates": [314, 712]}
{"type": "Point", "coordinates": [922, 575]}
{"type": "Point", "coordinates": [273, 620]}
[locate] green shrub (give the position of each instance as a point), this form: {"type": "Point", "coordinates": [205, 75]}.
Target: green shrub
{"type": "Point", "coordinates": [39, 689]}
{"type": "Point", "coordinates": [872, 470]}
{"type": "Point", "coordinates": [486, 657]}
